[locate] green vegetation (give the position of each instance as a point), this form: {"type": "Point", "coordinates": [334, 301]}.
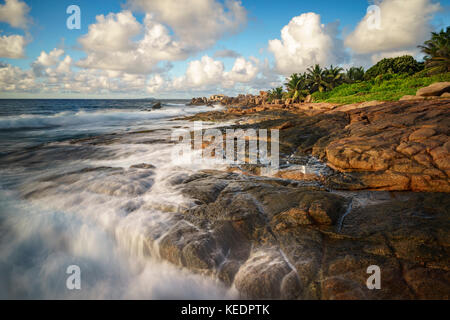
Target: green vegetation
{"type": "Point", "coordinates": [276, 93]}
{"type": "Point", "coordinates": [387, 88]}
{"type": "Point", "coordinates": [437, 50]}
{"type": "Point", "coordinates": [297, 88]}
{"type": "Point", "coordinates": [388, 80]}
{"type": "Point", "coordinates": [355, 74]}
{"type": "Point", "coordinates": [400, 65]}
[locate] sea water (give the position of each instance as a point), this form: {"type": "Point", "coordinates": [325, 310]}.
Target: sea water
{"type": "Point", "coordinates": [71, 194]}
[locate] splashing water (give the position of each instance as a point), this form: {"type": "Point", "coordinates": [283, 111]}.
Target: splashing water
{"type": "Point", "coordinates": [92, 189]}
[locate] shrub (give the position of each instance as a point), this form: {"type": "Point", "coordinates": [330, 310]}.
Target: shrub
{"type": "Point", "coordinates": [399, 65]}
{"type": "Point", "coordinates": [385, 88]}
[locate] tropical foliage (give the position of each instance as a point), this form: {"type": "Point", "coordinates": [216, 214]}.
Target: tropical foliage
{"type": "Point", "coordinates": [297, 87]}
{"type": "Point", "coordinates": [355, 74]}
{"type": "Point", "coordinates": [405, 64]}
{"type": "Point", "coordinates": [317, 79]}
{"type": "Point", "coordinates": [437, 50]}
{"type": "Point", "coordinates": [389, 79]}
{"type": "Point", "coordinates": [276, 93]}
{"type": "Point", "coordinates": [335, 76]}
{"type": "Point", "coordinates": [390, 88]}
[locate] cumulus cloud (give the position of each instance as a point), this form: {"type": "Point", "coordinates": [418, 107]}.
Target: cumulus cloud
{"type": "Point", "coordinates": [404, 25]}
{"type": "Point", "coordinates": [49, 59]}
{"type": "Point", "coordinates": [12, 46]}
{"type": "Point", "coordinates": [304, 42]}
{"type": "Point", "coordinates": [198, 24]}
{"type": "Point", "coordinates": [208, 73]}
{"type": "Point", "coordinates": [52, 72]}
{"type": "Point", "coordinates": [111, 33]}
{"type": "Point", "coordinates": [109, 44]}
{"type": "Point", "coordinates": [14, 79]}
{"type": "Point", "coordinates": [243, 71]}
{"type": "Point", "coordinates": [155, 84]}
{"type": "Point", "coordinates": [171, 31]}
{"type": "Point", "coordinates": [46, 60]}
{"type": "Point", "coordinates": [15, 12]}
{"type": "Point", "coordinates": [201, 73]}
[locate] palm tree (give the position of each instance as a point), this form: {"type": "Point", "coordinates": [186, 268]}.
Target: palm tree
{"type": "Point", "coordinates": [276, 93]}
{"type": "Point", "coordinates": [437, 51]}
{"type": "Point", "coordinates": [355, 74]}
{"type": "Point", "coordinates": [317, 79]}
{"type": "Point", "coordinates": [335, 76]}
{"type": "Point", "coordinates": [297, 87]}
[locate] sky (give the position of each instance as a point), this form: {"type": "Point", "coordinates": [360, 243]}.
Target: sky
{"type": "Point", "coordinates": [187, 48]}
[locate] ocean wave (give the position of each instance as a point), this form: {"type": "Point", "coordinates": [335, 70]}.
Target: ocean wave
{"type": "Point", "coordinates": [88, 118]}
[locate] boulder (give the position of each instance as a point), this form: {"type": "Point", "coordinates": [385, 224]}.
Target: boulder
{"type": "Point", "coordinates": [410, 97]}
{"type": "Point", "coordinates": [157, 105]}
{"type": "Point", "coordinates": [396, 146]}
{"type": "Point", "coordinates": [436, 89]}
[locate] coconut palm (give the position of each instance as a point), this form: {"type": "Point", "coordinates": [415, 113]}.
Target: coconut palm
{"type": "Point", "coordinates": [276, 93]}
{"type": "Point", "coordinates": [437, 51]}
{"type": "Point", "coordinates": [335, 76]}
{"type": "Point", "coordinates": [355, 74]}
{"type": "Point", "coordinates": [317, 79]}
{"type": "Point", "coordinates": [296, 87]}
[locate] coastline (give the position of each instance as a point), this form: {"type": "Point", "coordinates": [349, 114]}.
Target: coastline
{"type": "Point", "coordinates": [308, 232]}
{"type": "Point", "coordinates": [382, 200]}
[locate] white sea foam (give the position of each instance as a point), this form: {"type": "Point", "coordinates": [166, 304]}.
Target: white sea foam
{"type": "Point", "coordinates": [106, 221]}
{"type": "Point", "coordinates": [89, 118]}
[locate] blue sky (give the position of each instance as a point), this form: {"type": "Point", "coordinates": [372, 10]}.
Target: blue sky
{"type": "Point", "coordinates": [249, 38]}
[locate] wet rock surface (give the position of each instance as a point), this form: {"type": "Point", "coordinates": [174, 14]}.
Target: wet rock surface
{"type": "Point", "coordinates": [401, 146]}
{"type": "Point", "coordinates": [396, 146]}
{"type": "Point", "coordinates": [277, 239]}
{"type": "Point", "coordinates": [310, 231]}
{"type": "Point", "coordinates": [312, 235]}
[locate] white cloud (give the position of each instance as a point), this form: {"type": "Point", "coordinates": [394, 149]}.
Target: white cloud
{"type": "Point", "coordinates": [305, 42]}
{"type": "Point", "coordinates": [119, 42]}
{"type": "Point", "coordinates": [155, 84]}
{"type": "Point", "coordinates": [52, 72]}
{"type": "Point", "coordinates": [208, 73]}
{"type": "Point", "coordinates": [12, 46]}
{"type": "Point", "coordinates": [201, 73]}
{"type": "Point", "coordinates": [243, 71]}
{"type": "Point", "coordinates": [111, 33]}
{"type": "Point", "coordinates": [49, 59]}
{"type": "Point", "coordinates": [42, 65]}
{"type": "Point", "coordinates": [109, 44]}
{"type": "Point", "coordinates": [198, 24]}
{"type": "Point", "coordinates": [14, 79]}
{"type": "Point", "coordinates": [15, 13]}
{"type": "Point", "coordinates": [404, 25]}
{"type": "Point", "coordinates": [65, 65]}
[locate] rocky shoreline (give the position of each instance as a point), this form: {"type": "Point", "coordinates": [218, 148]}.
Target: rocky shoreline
{"type": "Point", "coordinates": [278, 239]}
{"type": "Point", "coordinates": [382, 200]}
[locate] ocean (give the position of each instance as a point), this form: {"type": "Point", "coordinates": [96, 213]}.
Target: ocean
{"type": "Point", "coordinates": [86, 183]}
